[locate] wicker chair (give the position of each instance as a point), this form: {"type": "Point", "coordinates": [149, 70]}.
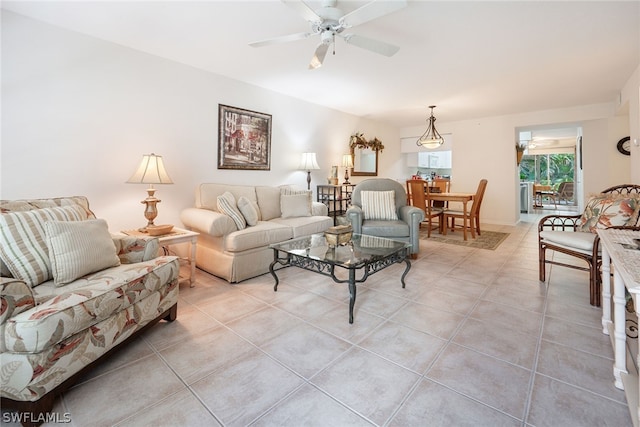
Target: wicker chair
{"type": "Point", "coordinates": [562, 233]}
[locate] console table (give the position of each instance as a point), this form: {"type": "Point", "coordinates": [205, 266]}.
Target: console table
{"type": "Point", "coordinates": [625, 264]}
{"type": "Point", "coordinates": [337, 198]}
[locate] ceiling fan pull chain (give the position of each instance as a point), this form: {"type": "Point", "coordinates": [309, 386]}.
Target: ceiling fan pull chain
{"type": "Point", "coordinates": [334, 44]}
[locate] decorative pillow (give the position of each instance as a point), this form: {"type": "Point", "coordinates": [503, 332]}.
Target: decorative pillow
{"type": "Point", "coordinates": [22, 241]}
{"type": "Point", "coordinates": [295, 205]}
{"type": "Point", "coordinates": [606, 210]}
{"type": "Point", "coordinates": [380, 205]}
{"type": "Point", "coordinates": [227, 205]}
{"type": "Point", "coordinates": [79, 248]}
{"type": "Point", "coordinates": [249, 210]}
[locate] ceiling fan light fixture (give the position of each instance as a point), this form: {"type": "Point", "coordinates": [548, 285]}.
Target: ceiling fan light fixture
{"type": "Point", "coordinates": [431, 138]}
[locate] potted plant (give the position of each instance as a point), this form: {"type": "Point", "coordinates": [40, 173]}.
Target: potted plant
{"type": "Point", "coordinates": [520, 152]}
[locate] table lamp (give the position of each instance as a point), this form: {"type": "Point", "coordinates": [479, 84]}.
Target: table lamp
{"type": "Point", "coordinates": [308, 163]}
{"type": "Point", "coordinates": [347, 162]}
{"type": "Point", "coordinates": [151, 171]}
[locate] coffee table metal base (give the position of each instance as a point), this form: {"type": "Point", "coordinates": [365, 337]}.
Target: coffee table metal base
{"type": "Point", "coordinates": [327, 269]}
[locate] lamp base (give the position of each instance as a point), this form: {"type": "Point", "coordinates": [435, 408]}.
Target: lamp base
{"type": "Point", "coordinates": [150, 210]}
{"type": "Point", "coordinates": [346, 177]}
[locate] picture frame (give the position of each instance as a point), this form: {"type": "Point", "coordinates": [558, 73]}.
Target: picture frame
{"type": "Point", "coordinates": [244, 139]}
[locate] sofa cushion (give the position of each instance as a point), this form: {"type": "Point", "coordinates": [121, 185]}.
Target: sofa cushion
{"type": "Point", "coordinates": [22, 241]}
{"type": "Point", "coordinates": [263, 234]}
{"type": "Point", "coordinates": [607, 210]}
{"type": "Point", "coordinates": [379, 205]}
{"type": "Point", "coordinates": [305, 225]}
{"type": "Point", "coordinates": [295, 205]}
{"type": "Point", "coordinates": [77, 248]}
{"type": "Point", "coordinates": [580, 241]}
{"type": "Point", "coordinates": [227, 205]}
{"type": "Point", "coordinates": [269, 202]}
{"type": "Point", "coordinates": [86, 302]}
{"type": "Point", "coordinates": [249, 210]}
{"type": "Point", "coordinates": [384, 228]}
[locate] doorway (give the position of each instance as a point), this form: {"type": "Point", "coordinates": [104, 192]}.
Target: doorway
{"type": "Point", "coordinates": [549, 169]}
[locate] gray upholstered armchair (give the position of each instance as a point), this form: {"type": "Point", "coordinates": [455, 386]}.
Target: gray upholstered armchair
{"type": "Point", "coordinates": [376, 212]}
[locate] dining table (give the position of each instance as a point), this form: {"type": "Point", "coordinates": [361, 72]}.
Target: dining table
{"type": "Point", "coordinates": [465, 198]}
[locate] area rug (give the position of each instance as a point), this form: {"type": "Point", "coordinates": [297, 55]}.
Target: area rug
{"type": "Point", "coordinates": [488, 240]}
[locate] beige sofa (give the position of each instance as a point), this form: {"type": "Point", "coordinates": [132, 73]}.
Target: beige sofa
{"type": "Point", "coordinates": [55, 326]}
{"type": "Point", "coordinates": [236, 254]}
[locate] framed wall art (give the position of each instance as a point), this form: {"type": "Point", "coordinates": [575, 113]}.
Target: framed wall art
{"type": "Point", "coordinates": [244, 139]}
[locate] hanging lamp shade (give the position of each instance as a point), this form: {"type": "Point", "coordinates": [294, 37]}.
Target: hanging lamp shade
{"type": "Point", "coordinates": [431, 138]}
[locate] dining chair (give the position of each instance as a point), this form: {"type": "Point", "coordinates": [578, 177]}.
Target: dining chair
{"type": "Point", "coordinates": [575, 235]}
{"type": "Point", "coordinates": [442, 185]}
{"type": "Point", "coordinates": [473, 215]}
{"type": "Point", "coordinates": [420, 191]}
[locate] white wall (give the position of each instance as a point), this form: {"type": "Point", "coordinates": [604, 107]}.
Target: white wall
{"type": "Point", "coordinates": [78, 113]}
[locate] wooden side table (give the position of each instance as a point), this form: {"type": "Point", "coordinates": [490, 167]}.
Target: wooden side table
{"type": "Point", "coordinates": [176, 236]}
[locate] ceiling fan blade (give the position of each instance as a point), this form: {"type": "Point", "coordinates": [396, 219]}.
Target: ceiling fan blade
{"type": "Point", "coordinates": [376, 46]}
{"type": "Point", "coordinates": [303, 9]}
{"type": "Point", "coordinates": [281, 39]}
{"type": "Point", "coordinates": [370, 11]}
{"type": "Point", "coordinates": [318, 57]}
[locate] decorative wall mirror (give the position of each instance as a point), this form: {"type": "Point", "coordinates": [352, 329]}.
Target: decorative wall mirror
{"type": "Point", "coordinates": [365, 155]}
{"type": "Point", "coordinates": [365, 162]}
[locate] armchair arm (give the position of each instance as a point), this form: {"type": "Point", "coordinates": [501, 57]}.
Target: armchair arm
{"type": "Point", "coordinates": [206, 221]}
{"type": "Point", "coordinates": [412, 216]}
{"type": "Point", "coordinates": [132, 249]}
{"type": "Point", "coordinates": [355, 217]}
{"type": "Point", "coordinates": [15, 297]}
{"type": "Point", "coordinates": [319, 209]}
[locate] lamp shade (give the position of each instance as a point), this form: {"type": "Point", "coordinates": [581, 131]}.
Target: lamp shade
{"type": "Point", "coordinates": [150, 171]}
{"type": "Point", "coordinates": [347, 161]}
{"type": "Point", "coordinates": [308, 162]}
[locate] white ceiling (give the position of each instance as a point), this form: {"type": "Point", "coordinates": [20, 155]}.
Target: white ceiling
{"type": "Point", "coordinates": [471, 59]}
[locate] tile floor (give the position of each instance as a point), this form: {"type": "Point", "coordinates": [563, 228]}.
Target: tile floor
{"type": "Point", "coordinates": [474, 339]}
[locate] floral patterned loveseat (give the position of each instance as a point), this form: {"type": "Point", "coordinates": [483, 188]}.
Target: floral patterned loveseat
{"type": "Point", "coordinates": [55, 326]}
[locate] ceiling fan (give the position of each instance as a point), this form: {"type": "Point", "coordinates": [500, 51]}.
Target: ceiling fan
{"type": "Point", "coordinates": [328, 22]}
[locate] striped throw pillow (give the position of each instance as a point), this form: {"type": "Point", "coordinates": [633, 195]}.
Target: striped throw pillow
{"type": "Point", "coordinates": [77, 248]}
{"type": "Point", "coordinates": [22, 241]}
{"type": "Point", "coordinates": [227, 205]}
{"type": "Point", "coordinates": [379, 205]}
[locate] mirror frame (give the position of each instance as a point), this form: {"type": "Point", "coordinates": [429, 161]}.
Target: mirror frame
{"type": "Point", "coordinates": [354, 172]}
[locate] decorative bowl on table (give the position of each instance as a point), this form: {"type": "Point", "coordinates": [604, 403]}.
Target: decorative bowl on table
{"type": "Point", "coordinates": [159, 230]}
{"type": "Point", "coordinates": [338, 235]}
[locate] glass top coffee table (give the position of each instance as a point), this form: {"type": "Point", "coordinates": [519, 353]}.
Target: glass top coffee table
{"type": "Point", "coordinates": [369, 254]}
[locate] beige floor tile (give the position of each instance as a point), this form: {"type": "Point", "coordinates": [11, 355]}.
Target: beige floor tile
{"type": "Point", "coordinates": [199, 356]}
{"type": "Point", "coordinates": [555, 403]}
{"type": "Point", "coordinates": [368, 384]}
{"type": "Point", "coordinates": [310, 407]}
{"type": "Point", "coordinates": [515, 298]}
{"type": "Point", "coordinates": [113, 397]}
{"type": "Point", "coordinates": [180, 409]}
{"type": "Point", "coordinates": [502, 343]}
{"type": "Point", "coordinates": [245, 387]}
{"type": "Point", "coordinates": [336, 322]}
{"type": "Point", "coordinates": [377, 302]}
{"type": "Point", "coordinates": [446, 300]}
{"type": "Point", "coordinates": [569, 365]}
{"type": "Point", "coordinates": [407, 347]}
{"type": "Point", "coordinates": [309, 306]}
{"type": "Point", "coordinates": [518, 320]}
{"type": "Point", "coordinates": [191, 322]}
{"type": "Point", "coordinates": [580, 337]}
{"type": "Point", "coordinates": [460, 287]}
{"type": "Point", "coordinates": [437, 406]}
{"type": "Point", "coordinates": [231, 305]}
{"type": "Point", "coordinates": [264, 325]}
{"type": "Point", "coordinates": [305, 349]}
{"type": "Point", "coordinates": [493, 382]}
{"type": "Point", "coordinates": [428, 319]}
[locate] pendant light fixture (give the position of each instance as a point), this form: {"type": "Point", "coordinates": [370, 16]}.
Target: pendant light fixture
{"type": "Point", "coordinates": [431, 137]}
